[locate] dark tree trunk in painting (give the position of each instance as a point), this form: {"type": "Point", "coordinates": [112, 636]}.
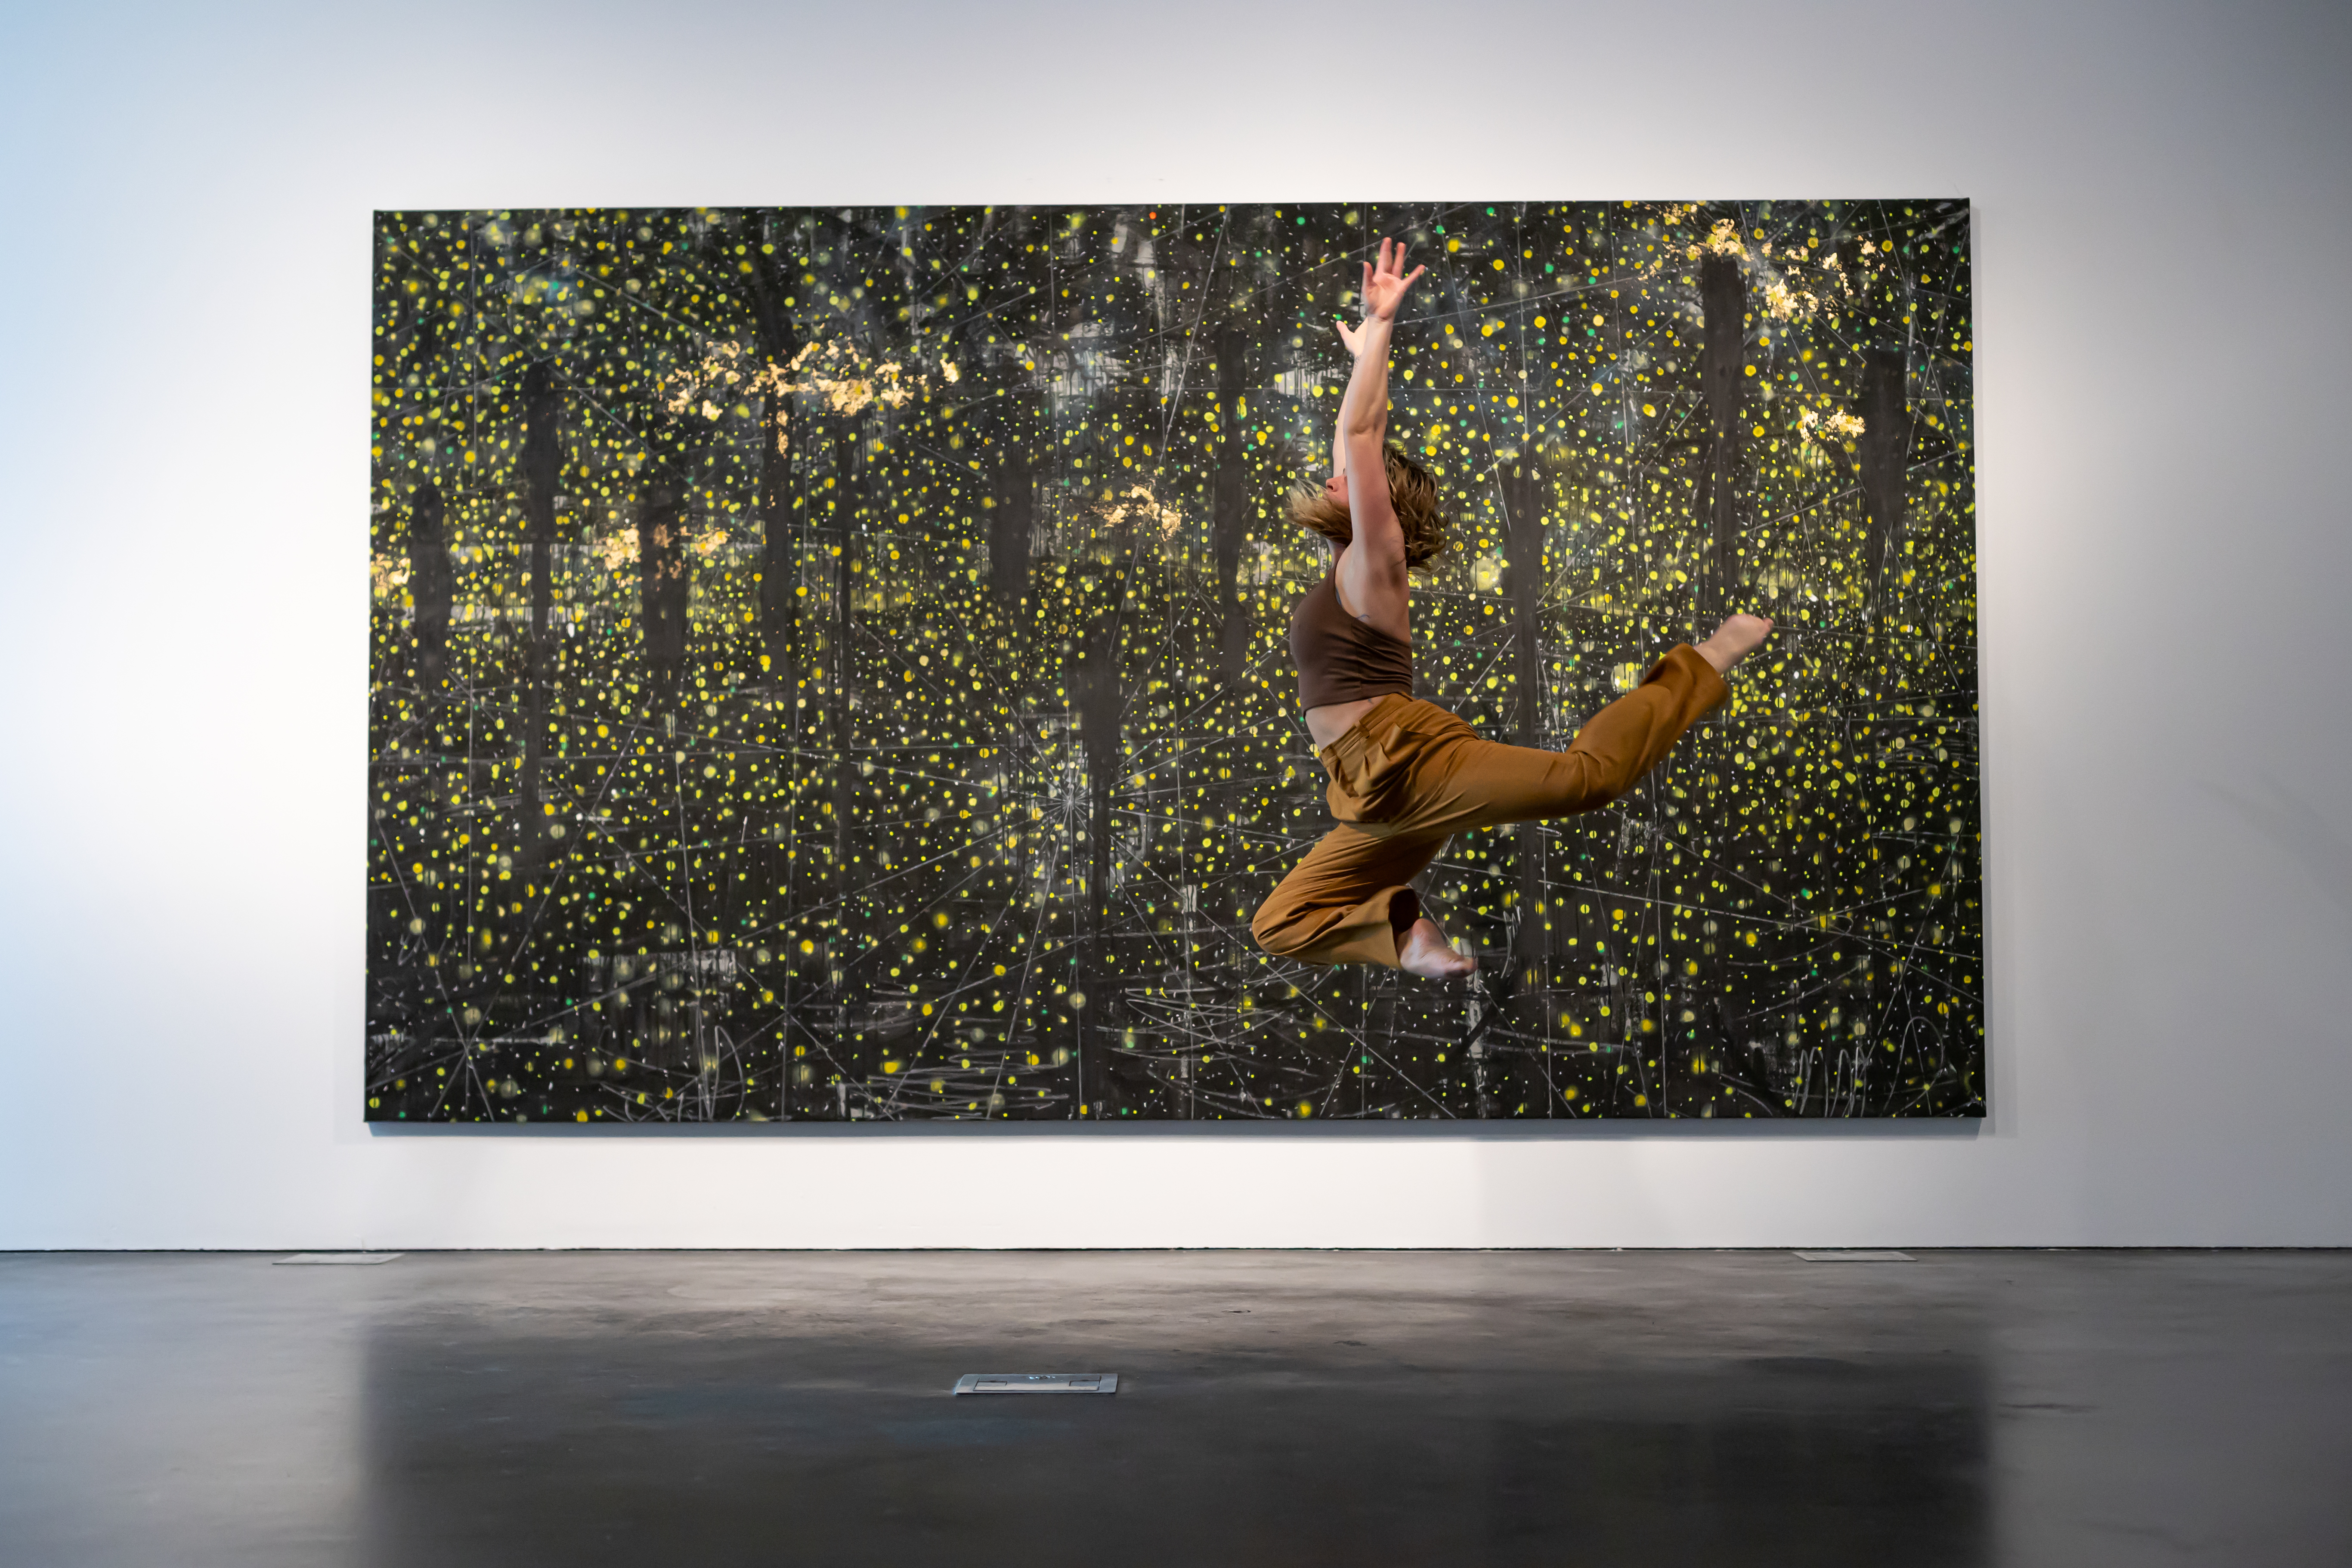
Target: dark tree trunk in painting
{"type": "Point", "coordinates": [845, 568]}
{"type": "Point", "coordinates": [1012, 518]}
{"type": "Point", "coordinates": [432, 583]}
{"type": "Point", "coordinates": [779, 571]}
{"type": "Point", "coordinates": [779, 568]}
{"type": "Point", "coordinates": [542, 413]}
{"type": "Point", "coordinates": [1524, 542]}
{"type": "Point", "coordinates": [770, 863]}
{"type": "Point", "coordinates": [1885, 449]}
{"type": "Point", "coordinates": [662, 590]}
{"type": "Point", "coordinates": [1010, 412]}
{"type": "Point", "coordinates": [1723, 356]}
{"type": "Point", "coordinates": [1100, 701]}
{"type": "Point", "coordinates": [1229, 504]}
{"type": "Point", "coordinates": [1523, 539]}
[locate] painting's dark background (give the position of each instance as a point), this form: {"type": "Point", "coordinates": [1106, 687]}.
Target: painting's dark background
{"type": "Point", "coordinates": [930, 761]}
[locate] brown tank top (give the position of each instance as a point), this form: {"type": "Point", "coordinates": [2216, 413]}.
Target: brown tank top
{"type": "Point", "coordinates": [1341, 660]}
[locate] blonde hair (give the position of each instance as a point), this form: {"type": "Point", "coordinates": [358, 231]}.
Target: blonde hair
{"type": "Point", "coordinates": [1412, 492]}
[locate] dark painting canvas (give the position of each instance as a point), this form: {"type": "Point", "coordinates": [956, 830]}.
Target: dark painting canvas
{"type": "Point", "coordinates": [830, 663]}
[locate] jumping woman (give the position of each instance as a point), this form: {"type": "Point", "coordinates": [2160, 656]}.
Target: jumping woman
{"type": "Point", "coordinates": [1407, 775]}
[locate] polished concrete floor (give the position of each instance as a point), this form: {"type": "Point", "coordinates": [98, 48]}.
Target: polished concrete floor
{"type": "Point", "coordinates": [1280, 1408]}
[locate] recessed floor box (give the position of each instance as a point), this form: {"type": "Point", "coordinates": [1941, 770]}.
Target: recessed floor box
{"type": "Point", "coordinates": [1037, 1383]}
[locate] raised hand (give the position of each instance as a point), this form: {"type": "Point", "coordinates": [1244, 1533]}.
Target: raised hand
{"type": "Point", "coordinates": [1385, 283]}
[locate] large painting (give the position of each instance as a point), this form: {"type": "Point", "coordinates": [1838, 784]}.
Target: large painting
{"type": "Point", "coordinates": [830, 663]}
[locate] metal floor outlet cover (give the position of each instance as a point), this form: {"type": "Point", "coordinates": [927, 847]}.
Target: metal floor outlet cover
{"type": "Point", "coordinates": [1037, 1383]}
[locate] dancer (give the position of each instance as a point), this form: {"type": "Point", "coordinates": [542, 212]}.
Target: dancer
{"type": "Point", "coordinates": [1406, 775]}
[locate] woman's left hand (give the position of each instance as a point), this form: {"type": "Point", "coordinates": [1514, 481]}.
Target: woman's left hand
{"type": "Point", "coordinates": [1384, 285]}
{"type": "Point", "coordinates": [1385, 289]}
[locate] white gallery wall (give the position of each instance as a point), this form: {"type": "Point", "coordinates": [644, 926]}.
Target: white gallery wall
{"type": "Point", "coordinates": [2164, 346]}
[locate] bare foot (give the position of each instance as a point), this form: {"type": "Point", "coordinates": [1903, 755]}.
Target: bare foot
{"type": "Point", "coordinates": [1734, 640]}
{"type": "Point", "coordinates": [1426, 953]}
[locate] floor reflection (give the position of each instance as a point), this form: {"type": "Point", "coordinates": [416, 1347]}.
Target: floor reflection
{"type": "Point", "coordinates": [727, 1442]}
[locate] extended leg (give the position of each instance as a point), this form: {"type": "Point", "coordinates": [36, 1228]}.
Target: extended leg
{"type": "Point", "coordinates": [1468, 782]}
{"type": "Point", "coordinates": [1349, 902]}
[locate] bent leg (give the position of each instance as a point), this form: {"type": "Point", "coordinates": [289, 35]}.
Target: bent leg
{"type": "Point", "coordinates": [1480, 784]}
{"type": "Point", "coordinates": [1348, 901]}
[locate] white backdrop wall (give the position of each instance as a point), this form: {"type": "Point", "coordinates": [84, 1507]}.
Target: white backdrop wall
{"type": "Point", "coordinates": [2164, 248]}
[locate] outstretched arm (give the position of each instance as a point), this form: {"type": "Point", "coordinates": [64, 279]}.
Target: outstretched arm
{"type": "Point", "coordinates": [1371, 572]}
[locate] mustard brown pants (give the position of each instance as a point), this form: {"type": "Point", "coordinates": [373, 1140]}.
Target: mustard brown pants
{"type": "Point", "coordinates": [1409, 775]}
